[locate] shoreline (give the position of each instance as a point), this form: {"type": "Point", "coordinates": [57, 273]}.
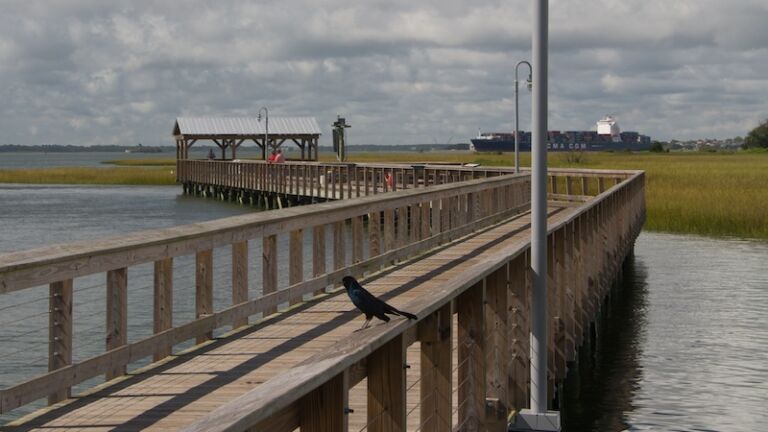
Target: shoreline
{"type": "Point", "coordinates": [709, 194]}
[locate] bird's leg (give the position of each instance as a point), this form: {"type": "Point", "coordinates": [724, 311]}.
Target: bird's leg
{"type": "Point", "coordinates": [365, 324]}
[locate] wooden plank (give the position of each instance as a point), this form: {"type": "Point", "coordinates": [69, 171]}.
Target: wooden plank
{"type": "Point", "coordinates": [286, 420]}
{"type": "Point", "coordinates": [296, 261]}
{"type": "Point", "coordinates": [386, 387]}
{"type": "Point", "coordinates": [117, 314]}
{"type": "Point", "coordinates": [60, 333]}
{"type": "Point", "coordinates": [318, 253]}
{"type": "Point", "coordinates": [269, 269]}
{"type": "Point", "coordinates": [436, 371]}
{"type": "Point", "coordinates": [471, 387]}
{"type": "Point", "coordinates": [204, 288]}
{"type": "Point", "coordinates": [162, 302]}
{"type": "Point", "coordinates": [240, 278]}
{"type": "Point", "coordinates": [322, 410]}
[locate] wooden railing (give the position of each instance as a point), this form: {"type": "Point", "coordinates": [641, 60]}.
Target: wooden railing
{"type": "Point", "coordinates": [379, 230]}
{"type": "Point", "coordinates": [351, 180]}
{"type": "Point", "coordinates": [492, 308]}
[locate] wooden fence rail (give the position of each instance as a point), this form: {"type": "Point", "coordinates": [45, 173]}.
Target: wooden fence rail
{"type": "Point", "coordinates": [491, 305]}
{"type": "Point", "coordinates": [384, 228]}
{"type": "Point", "coordinates": [350, 180]}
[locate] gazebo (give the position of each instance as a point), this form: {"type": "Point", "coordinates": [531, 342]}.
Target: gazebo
{"type": "Point", "coordinates": [231, 132]}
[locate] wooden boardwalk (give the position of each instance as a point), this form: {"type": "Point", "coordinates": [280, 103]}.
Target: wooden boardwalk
{"type": "Point", "coordinates": [182, 389]}
{"type": "Point", "coordinates": [450, 246]}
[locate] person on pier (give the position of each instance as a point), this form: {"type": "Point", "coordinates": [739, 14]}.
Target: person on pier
{"type": "Point", "coordinates": [279, 158]}
{"type": "Point", "coordinates": [272, 157]}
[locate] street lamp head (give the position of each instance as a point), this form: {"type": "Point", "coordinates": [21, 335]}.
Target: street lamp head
{"type": "Point", "coordinates": [529, 83]}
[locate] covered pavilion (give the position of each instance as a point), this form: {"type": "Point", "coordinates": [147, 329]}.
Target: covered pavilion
{"type": "Point", "coordinates": [232, 132]}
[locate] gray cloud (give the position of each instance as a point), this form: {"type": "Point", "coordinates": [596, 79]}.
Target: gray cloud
{"type": "Point", "coordinates": [92, 72]}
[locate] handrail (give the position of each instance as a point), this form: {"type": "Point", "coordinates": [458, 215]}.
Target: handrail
{"type": "Point", "coordinates": [443, 212]}
{"type": "Point", "coordinates": [282, 391]}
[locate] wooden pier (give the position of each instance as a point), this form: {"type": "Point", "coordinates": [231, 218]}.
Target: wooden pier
{"type": "Point", "coordinates": [449, 244]}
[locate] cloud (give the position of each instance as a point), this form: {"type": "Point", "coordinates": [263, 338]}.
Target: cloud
{"type": "Point", "coordinates": [90, 72]}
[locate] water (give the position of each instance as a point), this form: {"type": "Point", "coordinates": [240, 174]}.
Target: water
{"type": "Point", "coordinates": [32, 215]}
{"type": "Point", "coordinates": [684, 345]}
{"type": "Point", "coordinates": [12, 160]}
{"type": "Point", "coordinates": [42, 215]}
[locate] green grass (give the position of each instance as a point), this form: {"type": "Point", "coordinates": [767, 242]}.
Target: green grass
{"type": "Point", "coordinates": [714, 194]}
{"type": "Point", "coordinates": [103, 176]}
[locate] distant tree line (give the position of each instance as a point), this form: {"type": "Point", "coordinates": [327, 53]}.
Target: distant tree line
{"type": "Point", "coordinates": [758, 137]}
{"type": "Point", "coordinates": [60, 148]}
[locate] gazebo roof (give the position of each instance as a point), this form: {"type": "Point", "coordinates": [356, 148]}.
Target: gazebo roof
{"type": "Point", "coordinates": [245, 126]}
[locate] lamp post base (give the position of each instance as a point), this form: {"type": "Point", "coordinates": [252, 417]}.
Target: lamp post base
{"type": "Point", "coordinates": [528, 421]}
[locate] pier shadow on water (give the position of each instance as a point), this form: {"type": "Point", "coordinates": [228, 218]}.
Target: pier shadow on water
{"type": "Point", "coordinates": [598, 390]}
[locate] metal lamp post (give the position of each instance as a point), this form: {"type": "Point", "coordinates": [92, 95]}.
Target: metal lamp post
{"type": "Point", "coordinates": [537, 418]}
{"type": "Point", "coordinates": [266, 130]}
{"type": "Point", "coordinates": [529, 83]}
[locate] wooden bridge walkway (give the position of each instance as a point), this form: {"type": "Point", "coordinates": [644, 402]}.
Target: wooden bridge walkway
{"type": "Point", "coordinates": [459, 263]}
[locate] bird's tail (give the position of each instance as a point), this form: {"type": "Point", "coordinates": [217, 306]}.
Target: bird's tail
{"type": "Point", "coordinates": [405, 314]}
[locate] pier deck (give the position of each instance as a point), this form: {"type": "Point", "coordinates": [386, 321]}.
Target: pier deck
{"type": "Point", "coordinates": [454, 254]}
{"type": "Point", "coordinates": [182, 389]}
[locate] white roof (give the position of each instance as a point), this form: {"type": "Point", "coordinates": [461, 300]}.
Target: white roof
{"type": "Point", "coordinates": [245, 126]}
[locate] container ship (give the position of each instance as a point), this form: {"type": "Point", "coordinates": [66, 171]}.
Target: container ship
{"type": "Point", "coordinates": [607, 137]}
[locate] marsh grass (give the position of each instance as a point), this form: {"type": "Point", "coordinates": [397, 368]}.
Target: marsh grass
{"type": "Point", "coordinates": [714, 194]}
{"type": "Point", "coordinates": [142, 162]}
{"type": "Point", "coordinates": [81, 175]}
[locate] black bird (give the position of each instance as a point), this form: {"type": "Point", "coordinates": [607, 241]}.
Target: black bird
{"type": "Point", "coordinates": [369, 304]}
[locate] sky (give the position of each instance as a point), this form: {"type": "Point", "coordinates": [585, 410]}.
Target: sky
{"type": "Point", "coordinates": [87, 72]}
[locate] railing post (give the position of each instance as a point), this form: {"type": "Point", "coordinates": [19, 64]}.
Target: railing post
{"type": "Point", "coordinates": [269, 268]}
{"type": "Point", "coordinates": [60, 333]}
{"type": "Point", "coordinates": [519, 332]}
{"type": "Point", "coordinates": [497, 338]}
{"type": "Point", "coordinates": [163, 302]}
{"type": "Point", "coordinates": [357, 239]}
{"type": "Point", "coordinates": [318, 253]}
{"type": "Point", "coordinates": [436, 371]}
{"type": "Point", "coordinates": [240, 278]}
{"type": "Point", "coordinates": [374, 233]}
{"type": "Point", "coordinates": [322, 410]}
{"type": "Point", "coordinates": [296, 261]}
{"type": "Point", "coordinates": [204, 288]}
{"type": "Point", "coordinates": [402, 226]}
{"type": "Point", "coordinates": [339, 246]}
{"type": "Point", "coordinates": [117, 314]}
{"type": "Point", "coordinates": [389, 230]}
{"type": "Point", "coordinates": [386, 387]}
{"type": "Point", "coordinates": [471, 379]}
{"type": "Point", "coordinates": [425, 222]}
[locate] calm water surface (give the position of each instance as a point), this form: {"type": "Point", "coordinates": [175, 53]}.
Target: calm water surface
{"type": "Point", "coordinates": [683, 347]}
{"type": "Point", "coordinates": [13, 160]}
